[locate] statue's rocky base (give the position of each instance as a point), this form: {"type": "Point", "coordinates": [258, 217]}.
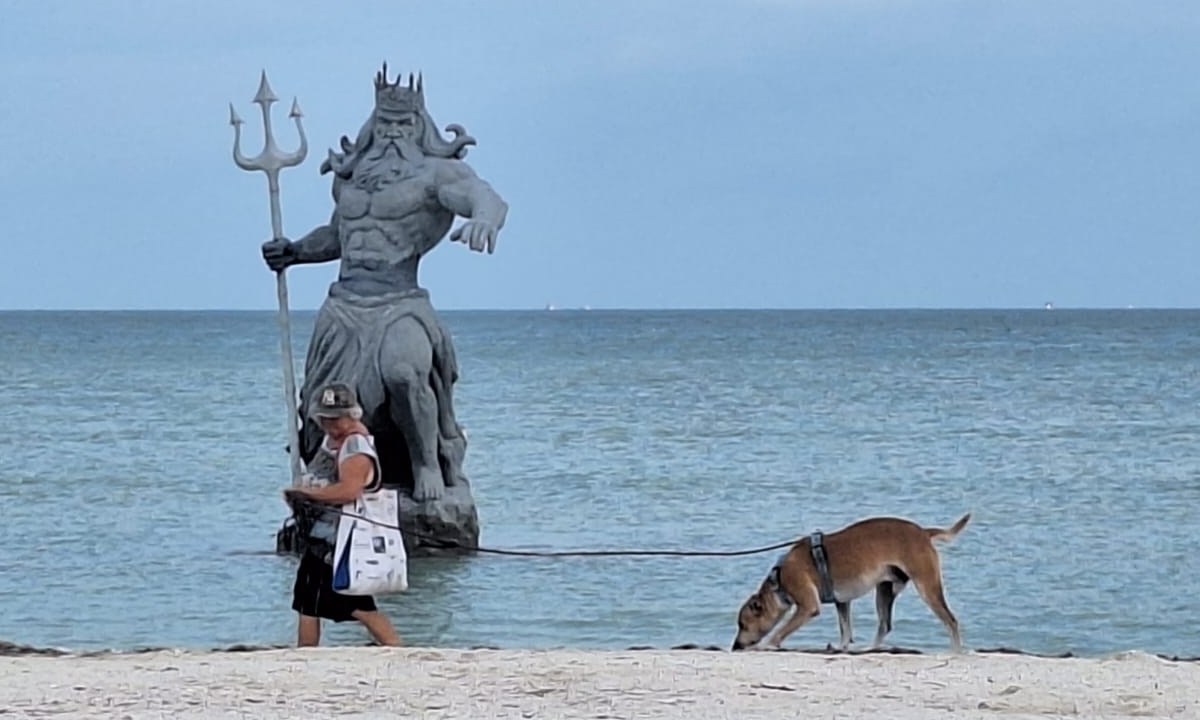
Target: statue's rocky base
{"type": "Point", "coordinates": [446, 526]}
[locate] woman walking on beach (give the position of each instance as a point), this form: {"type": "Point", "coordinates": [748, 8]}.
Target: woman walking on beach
{"type": "Point", "coordinates": [346, 465]}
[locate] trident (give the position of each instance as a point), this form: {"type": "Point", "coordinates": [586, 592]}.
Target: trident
{"type": "Point", "coordinates": [271, 160]}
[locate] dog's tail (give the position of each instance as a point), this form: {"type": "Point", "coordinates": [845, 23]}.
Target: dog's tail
{"type": "Point", "coordinates": [944, 535]}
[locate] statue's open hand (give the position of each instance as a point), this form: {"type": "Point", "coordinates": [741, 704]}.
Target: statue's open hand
{"type": "Point", "coordinates": [477, 235]}
{"type": "Point", "coordinates": [278, 253]}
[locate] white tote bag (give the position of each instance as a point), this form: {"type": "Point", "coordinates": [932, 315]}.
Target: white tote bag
{"type": "Point", "coordinates": [369, 557]}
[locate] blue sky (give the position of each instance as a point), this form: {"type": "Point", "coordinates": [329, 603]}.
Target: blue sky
{"type": "Point", "coordinates": [669, 154]}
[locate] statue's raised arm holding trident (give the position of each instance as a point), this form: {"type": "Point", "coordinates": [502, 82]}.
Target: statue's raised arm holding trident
{"type": "Point", "coordinates": [397, 189]}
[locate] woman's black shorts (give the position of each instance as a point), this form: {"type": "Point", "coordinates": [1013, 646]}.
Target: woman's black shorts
{"type": "Point", "coordinates": [313, 593]}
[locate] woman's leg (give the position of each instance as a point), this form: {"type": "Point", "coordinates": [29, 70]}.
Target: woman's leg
{"type": "Point", "coordinates": [379, 626]}
{"type": "Point", "coordinates": [309, 631]}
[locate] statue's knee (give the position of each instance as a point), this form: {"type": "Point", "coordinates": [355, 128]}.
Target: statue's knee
{"type": "Point", "coordinates": [408, 379]}
{"type": "Point", "coordinates": [407, 341]}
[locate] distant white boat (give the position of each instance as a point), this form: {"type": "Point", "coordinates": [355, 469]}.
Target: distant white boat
{"type": "Point", "coordinates": [551, 306]}
{"type": "Point", "coordinates": [1049, 306]}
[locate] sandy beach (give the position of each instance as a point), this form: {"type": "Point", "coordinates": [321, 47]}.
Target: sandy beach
{"type": "Point", "coordinates": [386, 683]}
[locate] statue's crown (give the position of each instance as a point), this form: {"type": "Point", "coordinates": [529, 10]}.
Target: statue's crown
{"type": "Point", "coordinates": [395, 97]}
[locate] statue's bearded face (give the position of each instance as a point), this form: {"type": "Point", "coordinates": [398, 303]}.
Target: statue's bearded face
{"type": "Point", "coordinates": [396, 128]}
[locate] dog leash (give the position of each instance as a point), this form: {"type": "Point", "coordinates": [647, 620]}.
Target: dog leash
{"type": "Point", "coordinates": [454, 545]}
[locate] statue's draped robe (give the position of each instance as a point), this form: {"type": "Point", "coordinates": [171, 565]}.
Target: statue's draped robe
{"type": "Point", "coordinates": [347, 347]}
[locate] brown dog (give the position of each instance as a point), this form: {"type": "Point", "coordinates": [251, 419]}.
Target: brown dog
{"type": "Point", "coordinates": [882, 554]}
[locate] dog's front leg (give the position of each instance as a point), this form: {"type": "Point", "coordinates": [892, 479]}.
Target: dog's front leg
{"type": "Point", "coordinates": [799, 617]}
{"type": "Point", "coordinates": [845, 625]}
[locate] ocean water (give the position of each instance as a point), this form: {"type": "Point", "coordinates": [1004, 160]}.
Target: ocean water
{"type": "Point", "coordinates": [142, 456]}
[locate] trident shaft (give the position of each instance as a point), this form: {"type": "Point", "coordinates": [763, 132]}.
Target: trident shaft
{"type": "Point", "coordinates": [271, 160]}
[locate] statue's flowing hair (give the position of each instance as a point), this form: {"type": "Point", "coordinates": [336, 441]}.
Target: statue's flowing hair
{"type": "Point", "coordinates": [430, 141]}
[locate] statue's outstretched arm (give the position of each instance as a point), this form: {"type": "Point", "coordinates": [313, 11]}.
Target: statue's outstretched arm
{"type": "Point", "coordinates": [462, 192]}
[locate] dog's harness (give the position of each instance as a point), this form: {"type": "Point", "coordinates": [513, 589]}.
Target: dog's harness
{"type": "Point", "coordinates": [816, 543]}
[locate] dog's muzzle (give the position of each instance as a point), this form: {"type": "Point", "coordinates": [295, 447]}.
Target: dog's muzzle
{"type": "Point", "coordinates": [737, 645]}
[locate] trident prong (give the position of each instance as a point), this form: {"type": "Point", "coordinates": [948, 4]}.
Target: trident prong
{"type": "Point", "coordinates": [271, 160]}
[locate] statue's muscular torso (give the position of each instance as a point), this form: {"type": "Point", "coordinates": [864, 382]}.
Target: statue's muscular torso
{"type": "Point", "coordinates": [388, 217]}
